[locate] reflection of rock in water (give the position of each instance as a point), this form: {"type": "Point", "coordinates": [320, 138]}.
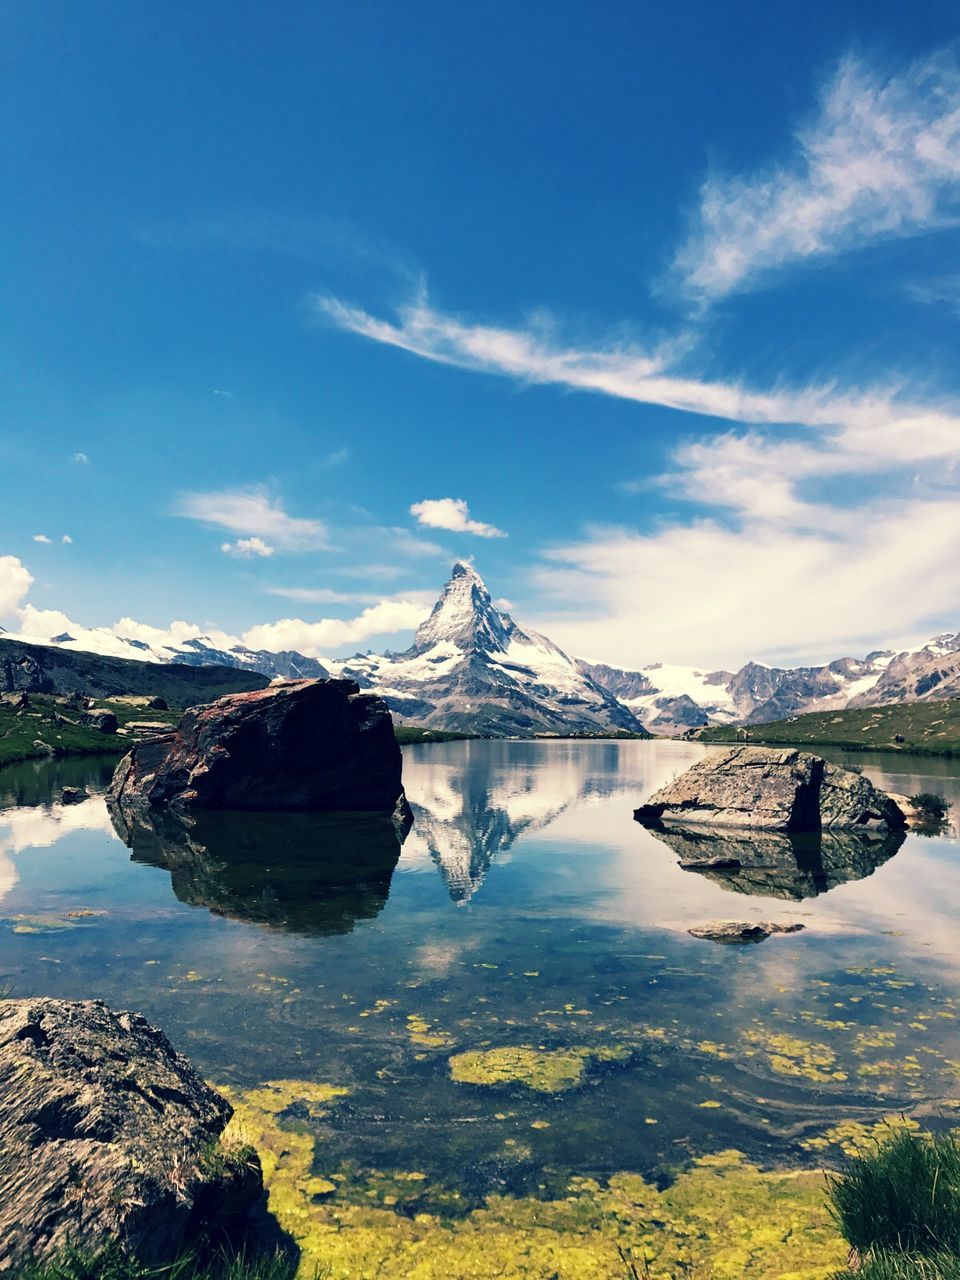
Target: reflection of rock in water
{"type": "Point", "coordinates": [307, 873]}
{"type": "Point", "coordinates": [779, 865]}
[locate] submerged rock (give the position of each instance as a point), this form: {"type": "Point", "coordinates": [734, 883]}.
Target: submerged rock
{"type": "Point", "coordinates": [773, 789]}
{"type": "Point", "coordinates": [107, 1134]}
{"type": "Point", "coordinates": [308, 745]}
{"type": "Point", "coordinates": [742, 931]}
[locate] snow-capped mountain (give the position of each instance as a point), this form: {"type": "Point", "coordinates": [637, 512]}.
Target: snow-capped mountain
{"type": "Point", "coordinates": [202, 652]}
{"type": "Point", "coordinates": [672, 699]}
{"type": "Point", "coordinates": [473, 669]}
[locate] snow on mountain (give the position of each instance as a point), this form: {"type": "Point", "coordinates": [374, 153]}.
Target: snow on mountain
{"type": "Point", "coordinates": [201, 652]}
{"type": "Point", "coordinates": [473, 669]}
{"type": "Point", "coordinates": [672, 699]}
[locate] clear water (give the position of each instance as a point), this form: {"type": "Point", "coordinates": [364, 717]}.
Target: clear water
{"type": "Point", "coordinates": [526, 908]}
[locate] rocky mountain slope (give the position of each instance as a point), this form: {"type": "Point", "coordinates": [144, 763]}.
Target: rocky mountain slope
{"type": "Point", "coordinates": [33, 668]}
{"type": "Point", "coordinates": [673, 699]}
{"type": "Point", "coordinates": [472, 668]}
{"type": "Point", "coordinates": [201, 652]}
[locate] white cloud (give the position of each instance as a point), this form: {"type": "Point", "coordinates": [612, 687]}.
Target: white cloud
{"type": "Point", "coordinates": [760, 581]}
{"type": "Point", "coordinates": [317, 638]}
{"type": "Point", "coordinates": [247, 547]}
{"type": "Point", "coordinates": [41, 537]}
{"type": "Point", "coordinates": [254, 513]}
{"type": "Point", "coordinates": [880, 160]}
{"type": "Point", "coordinates": [452, 514]}
{"type": "Point", "coordinates": [705, 593]}
{"type": "Point", "coordinates": [80, 459]}
{"type": "Point", "coordinates": [66, 539]}
{"type": "Point", "coordinates": [15, 581]}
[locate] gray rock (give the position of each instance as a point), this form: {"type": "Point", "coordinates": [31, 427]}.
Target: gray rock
{"type": "Point", "coordinates": [741, 931]}
{"type": "Point", "coordinates": [106, 1134]}
{"type": "Point", "coordinates": [772, 789]}
{"type": "Point", "coordinates": [101, 720]}
{"type": "Point", "coordinates": [74, 795]}
{"type": "Point", "coordinates": [307, 745]}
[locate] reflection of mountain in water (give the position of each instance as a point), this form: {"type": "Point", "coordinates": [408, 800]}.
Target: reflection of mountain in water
{"type": "Point", "coordinates": [776, 864]}
{"type": "Point", "coordinates": [471, 805]}
{"type": "Point", "coordinates": [307, 873]}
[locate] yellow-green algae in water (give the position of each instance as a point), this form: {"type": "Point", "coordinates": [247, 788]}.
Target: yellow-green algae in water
{"type": "Point", "coordinates": [546, 1070]}
{"type": "Point", "coordinates": [723, 1219]}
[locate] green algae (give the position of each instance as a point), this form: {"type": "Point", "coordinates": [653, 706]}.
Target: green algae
{"type": "Point", "coordinates": [723, 1218]}
{"type": "Point", "coordinates": [545, 1070]}
{"type": "Point", "coordinates": [855, 1138]}
{"type": "Point", "coordinates": [277, 1096]}
{"type": "Point", "coordinates": [791, 1056]}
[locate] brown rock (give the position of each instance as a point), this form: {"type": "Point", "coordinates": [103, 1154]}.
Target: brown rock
{"type": "Point", "coordinates": [308, 745]}
{"type": "Point", "coordinates": [742, 931]}
{"type": "Point", "coordinates": [106, 1134]}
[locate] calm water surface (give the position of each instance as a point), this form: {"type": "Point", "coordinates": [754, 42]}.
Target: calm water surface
{"type": "Point", "coordinates": [525, 909]}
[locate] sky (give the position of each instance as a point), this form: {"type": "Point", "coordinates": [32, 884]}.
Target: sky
{"type": "Point", "coordinates": [651, 311]}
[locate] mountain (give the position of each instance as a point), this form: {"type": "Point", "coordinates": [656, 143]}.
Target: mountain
{"type": "Point", "coordinates": [673, 699]}
{"type": "Point", "coordinates": [202, 652]}
{"type": "Point", "coordinates": [473, 669]}
{"type": "Point", "coordinates": [49, 669]}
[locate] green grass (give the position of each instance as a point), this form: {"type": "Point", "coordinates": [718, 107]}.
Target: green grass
{"type": "Point", "coordinates": [929, 728]}
{"type": "Point", "coordinates": [112, 1264]}
{"type": "Point", "coordinates": [19, 733]}
{"type": "Point", "coordinates": [898, 1206]}
{"type": "Point", "coordinates": [899, 1266]}
{"type": "Point", "coordinates": [406, 734]}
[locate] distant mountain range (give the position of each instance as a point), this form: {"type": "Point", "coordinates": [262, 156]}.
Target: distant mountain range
{"type": "Point", "coordinates": [472, 668]}
{"type": "Point", "coordinates": [674, 699]}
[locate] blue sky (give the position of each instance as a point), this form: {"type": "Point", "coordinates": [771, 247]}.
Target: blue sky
{"type": "Point", "coordinates": [651, 310]}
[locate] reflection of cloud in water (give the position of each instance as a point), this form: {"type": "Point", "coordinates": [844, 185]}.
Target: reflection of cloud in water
{"type": "Point", "coordinates": [41, 827]}
{"type": "Point", "coordinates": [473, 800]}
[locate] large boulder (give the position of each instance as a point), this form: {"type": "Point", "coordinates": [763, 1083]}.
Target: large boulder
{"type": "Point", "coordinates": [772, 789]}
{"type": "Point", "coordinates": [308, 745]}
{"type": "Point", "coordinates": [107, 1134]}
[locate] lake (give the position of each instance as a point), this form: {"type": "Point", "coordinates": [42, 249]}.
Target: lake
{"type": "Point", "coordinates": [511, 998]}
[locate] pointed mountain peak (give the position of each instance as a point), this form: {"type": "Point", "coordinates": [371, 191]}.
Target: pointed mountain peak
{"type": "Point", "coordinates": [465, 616]}
{"type": "Point", "coordinates": [464, 569]}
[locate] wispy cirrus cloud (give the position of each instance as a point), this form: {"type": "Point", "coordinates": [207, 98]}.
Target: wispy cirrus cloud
{"type": "Point", "coordinates": [256, 515]}
{"type": "Point", "coordinates": [780, 559]}
{"type": "Point", "coordinates": [880, 159]}
{"type": "Point", "coordinates": [452, 514]}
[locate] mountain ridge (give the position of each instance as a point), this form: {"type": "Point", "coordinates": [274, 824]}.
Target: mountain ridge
{"type": "Point", "coordinates": [472, 668]}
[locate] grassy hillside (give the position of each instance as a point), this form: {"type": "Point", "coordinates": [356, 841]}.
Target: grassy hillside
{"type": "Point", "coordinates": [50, 726]}
{"type": "Point", "coordinates": [931, 728]}
{"type": "Point", "coordinates": [52, 670]}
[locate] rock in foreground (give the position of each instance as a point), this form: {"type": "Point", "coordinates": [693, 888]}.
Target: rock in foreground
{"type": "Point", "coordinates": [773, 789]}
{"type": "Point", "coordinates": [106, 1134]}
{"type": "Point", "coordinates": [307, 745]}
{"type": "Point", "coordinates": [741, 931]}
